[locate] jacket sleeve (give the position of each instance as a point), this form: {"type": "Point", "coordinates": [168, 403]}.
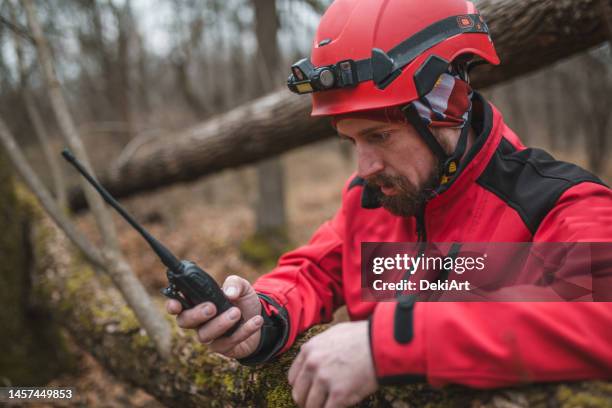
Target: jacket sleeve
{"type": "Point", "coordinates": [305, 288]}
{"type": "Point", "coordinates": [488, 345]}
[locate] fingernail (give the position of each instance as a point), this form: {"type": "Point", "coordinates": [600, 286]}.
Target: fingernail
{"type": "Point", "coordinates": [207, 311]}
{"type": "Point", "coordinates": [230, 291]}
{"type": "Point", "coordinates": [234, 314]}
{"type": "Point", "coordinates": [258, 320]}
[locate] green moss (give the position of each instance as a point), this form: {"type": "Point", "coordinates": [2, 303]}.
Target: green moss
{"type": "Point", "coordinates": [76, 281]}
{"type": "Point", "coordinates": [200, 379]}
{"type": "Point", "coordinates": [564, 393]}
{"type": "Point", "coordinates": [127, 319]}
{"type": "Point", "coordinates": [280, 397]}
{"type": "Point", "coordinates": [264, 248]}
{"type": "Point", "coordinates": [33, 349]}
{"type": "Point", "coordinates": [593, 395]}
{"type": "Point", "coordinates": [228, 382]}
{"type": "Point", "coordinates": [28, 204]}
{"type": "Point", "coordinates": [140, 341]}
{"type": "Point", "coordinates": [586, 400]}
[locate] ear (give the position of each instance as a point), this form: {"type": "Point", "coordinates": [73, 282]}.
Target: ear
{"type": "Point", "coordinates": [447, 137]}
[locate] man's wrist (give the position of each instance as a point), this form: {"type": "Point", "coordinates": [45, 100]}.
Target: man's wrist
{"type": "Point", "coordinates": [274, 332]}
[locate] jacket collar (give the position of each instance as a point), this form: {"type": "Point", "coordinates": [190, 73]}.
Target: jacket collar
{"type": "Point", "coordinates": [486, 121]}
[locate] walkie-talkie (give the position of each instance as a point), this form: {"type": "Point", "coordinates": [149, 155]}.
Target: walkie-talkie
{"type": "Point", "coordinates": [187, 283]}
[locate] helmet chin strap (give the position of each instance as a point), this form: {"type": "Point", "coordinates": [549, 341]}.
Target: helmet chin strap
{"type": "Point", "coordinates": [451, 162]}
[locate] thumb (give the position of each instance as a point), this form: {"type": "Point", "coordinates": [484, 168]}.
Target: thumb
{"type": "Point", "coordinates": [241, 293]}
{"type": "Point", "coordinates": [236, 287]}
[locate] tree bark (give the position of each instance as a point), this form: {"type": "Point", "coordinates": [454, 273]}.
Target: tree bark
{"type": "Point", "coordinates": [528, 35]}
{"type": "Point", "coordinates": [32, 350]}
{"type": "Point", "coordinates": [606, 15]}
{"type": "Point", "coordinates": [123, 90]}
{"type": "Point", "coordinates": [270, 214]}
{"type": "Point", "coordinates": [182, 58]}
{"type": "Point", "coordinates": [597, 111]}
{"type": "Point", "coordinates": [98, 319]}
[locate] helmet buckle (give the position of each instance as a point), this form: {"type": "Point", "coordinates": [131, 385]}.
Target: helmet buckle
{"type": "Point", "coordinates": [382, 68]}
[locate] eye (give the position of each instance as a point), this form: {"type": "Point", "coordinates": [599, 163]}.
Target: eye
{"type": "Point", "coordinates": [379, 137]}
{"type": "Point", "coordinates": [346, 139]}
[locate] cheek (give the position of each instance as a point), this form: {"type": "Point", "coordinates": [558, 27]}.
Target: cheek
{"type": "Point", "coordinates": [425, 166]}
{"type": "Point", "coordinates": [414, 163]}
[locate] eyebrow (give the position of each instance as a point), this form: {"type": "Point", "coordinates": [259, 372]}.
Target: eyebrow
{"type": "Point", "coordinates": [367, 131]}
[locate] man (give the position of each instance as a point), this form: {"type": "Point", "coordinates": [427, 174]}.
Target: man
{"type": "Point", "coordinates": [436, 163]}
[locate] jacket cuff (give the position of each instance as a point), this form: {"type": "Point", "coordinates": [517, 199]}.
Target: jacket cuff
{"type": "Point", "coordinates": [274, 332]}
{"type": "Point", "coordinates": [397, 342]}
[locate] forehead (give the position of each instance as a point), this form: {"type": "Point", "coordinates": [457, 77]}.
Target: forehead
{"type": "Point", "coordinates": [360, 126]}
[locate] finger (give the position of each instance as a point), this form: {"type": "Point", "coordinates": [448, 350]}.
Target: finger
{"type": "Point", "coordinates": [303, 381]}
{"type": "Point", "coordinates": [224, 344]}
{"type": "Point", "coordinates": [337, 400]}
{"type": "Point", "coordinates": [236, 287]}
{"type": "Point", "coordinates": [317, 394]}
{"type": "Point", "coordinates": [173, 307]}
{"type": "Point", "coordinates": [295, 368]}
{"type": "Point", "coordinates": [219, 325]}
{"type": "Point", "coordinates": [333, 402]}
{"type": "Point", "coordinates": [197, 316]}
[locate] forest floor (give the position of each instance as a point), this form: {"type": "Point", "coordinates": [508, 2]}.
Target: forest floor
{"type": "Point", "coordinates": [206, 221]}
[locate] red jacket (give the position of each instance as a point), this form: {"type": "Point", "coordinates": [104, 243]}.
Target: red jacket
{"type": "Point", "coordinates": [504, 192]}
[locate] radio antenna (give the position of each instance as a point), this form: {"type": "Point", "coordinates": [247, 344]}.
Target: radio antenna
{"type": "Point", "coordinates": [164, 254]}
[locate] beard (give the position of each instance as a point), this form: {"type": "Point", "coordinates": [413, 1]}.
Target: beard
{"type": "Point", "coordinates": [409, 198]}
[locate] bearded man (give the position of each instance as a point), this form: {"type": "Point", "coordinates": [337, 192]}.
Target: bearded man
{"type": "Point", "coordinates": [436, 163]}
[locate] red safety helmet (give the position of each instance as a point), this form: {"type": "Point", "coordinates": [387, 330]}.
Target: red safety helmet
{"type": "Point", "coordinates": [370, 54]}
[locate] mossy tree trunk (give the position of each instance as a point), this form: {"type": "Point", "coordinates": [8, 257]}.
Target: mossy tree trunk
{"type": "Point", "coordinates": [94, 313]}
{"type": "Point", "coordinates": [31, 350]}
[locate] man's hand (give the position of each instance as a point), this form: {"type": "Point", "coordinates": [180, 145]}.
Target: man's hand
{"type": "Point", "coordinates": [209, 327]}
{"type": "Point", "coordinates": [334, 368]}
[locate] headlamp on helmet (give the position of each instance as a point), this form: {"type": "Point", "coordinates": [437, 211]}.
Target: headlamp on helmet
{"type": "Point", "coordinates": [307, 78]}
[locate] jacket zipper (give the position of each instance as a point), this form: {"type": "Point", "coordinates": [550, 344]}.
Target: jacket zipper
{"type": "Point", "coordinates": [422, 240]}
{"type": "Point", "coordinates": [420, 225]}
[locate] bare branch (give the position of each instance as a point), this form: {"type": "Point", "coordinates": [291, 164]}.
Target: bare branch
{"type": "Point", "coordinates": [120, 272]}
{"type": "Point", "coordinates": [36, 186]}
{"type": "Point", "coordinates": [134, 145]}
{"type": "Point", "coordinates": [317, 5]}
{"type": "Point", "coordinates": [37, 122]}
{"type": "Point", "coordinates": [16, 28]}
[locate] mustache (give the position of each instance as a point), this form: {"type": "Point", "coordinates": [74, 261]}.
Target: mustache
{"type": "Point", "coordinates": [385, 180]}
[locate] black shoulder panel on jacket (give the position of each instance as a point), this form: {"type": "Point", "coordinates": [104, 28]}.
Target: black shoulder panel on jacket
{"type": "Point", "coordinates": [356, 181]}
{"type": "Point", "coordinates": [531, 181]}
{"type": "Point", "coordinates": [370, 196]}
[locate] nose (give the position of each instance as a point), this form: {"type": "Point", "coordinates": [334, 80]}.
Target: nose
{"type": "Point", "coordinates": [369, 162]}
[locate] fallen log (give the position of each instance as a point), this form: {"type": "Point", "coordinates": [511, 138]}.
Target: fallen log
{"type": "Point", "coordinates": [528, 35]}
{"type": "Point", "coordinates": [98, 319]}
